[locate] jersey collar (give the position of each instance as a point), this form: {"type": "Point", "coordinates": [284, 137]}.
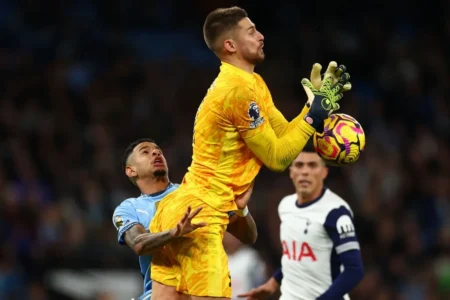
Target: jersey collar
{"type": "Point", "coordinates": [311, 202]}
{"type": "Point", "coordinates": [158, 193]}
{"type": "Point", "coordinates": [228, 68]}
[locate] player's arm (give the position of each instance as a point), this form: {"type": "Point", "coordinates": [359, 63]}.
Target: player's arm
{"type": "Point", "coordinates": [340, 228]}
{"type": "Point", "coordinates": [278, 122]}
{"type": "Point", "coordinates": [133, 234]}
{"type": "Point", "coordinates": [277, 153]}
{"type": "Point", "coordinates": [265, 290]}
{"type": "Point", "coordinates": [276, 119]}
{"type": "Point", "coordinates": [243, 226]}
{"type": "Point", "coordinates": [144, 243]}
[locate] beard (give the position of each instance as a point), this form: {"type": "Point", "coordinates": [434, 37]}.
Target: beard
{"type": "Point", "coordinates": [160, 173]}
{"type": "Point", "coordinates": [257, 58]}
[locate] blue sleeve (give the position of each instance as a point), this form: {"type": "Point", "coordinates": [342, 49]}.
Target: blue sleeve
{"type": "Point", "coordinates": [124, 218]}
{"type": "Point", "coordinates": [278, 275]}
{"type": "Point", "coordinates": [353, 273]}
{"type": "Point", "coordinates": [340, 228]}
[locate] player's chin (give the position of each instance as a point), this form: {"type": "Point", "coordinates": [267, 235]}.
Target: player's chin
{"type": "Point", "coordinates": [160, 172]}
{"type": "Point", "coordinates": [304, 191]}
{"type": "Point", "coordinates": [261, 57]}
{"type": "Point", "coordinates": [258, 58]}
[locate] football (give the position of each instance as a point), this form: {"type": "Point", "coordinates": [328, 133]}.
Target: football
{"type": "Point", "coordinates": [341, 141]}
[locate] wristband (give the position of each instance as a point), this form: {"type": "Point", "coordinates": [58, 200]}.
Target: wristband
{"type": "Point", "coordinates": [278, 275]}
{"type": "Point", "coordinates": [242, 212]}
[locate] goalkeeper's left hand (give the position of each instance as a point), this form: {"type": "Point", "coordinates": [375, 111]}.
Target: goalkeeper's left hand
{"type": "Point", "coordinates": [323, 101]}
{"type": "Point", "coordinates": [332, 71]}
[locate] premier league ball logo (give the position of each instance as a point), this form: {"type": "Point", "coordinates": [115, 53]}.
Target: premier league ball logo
{"type": "Point", "coordinates": [255, 114]}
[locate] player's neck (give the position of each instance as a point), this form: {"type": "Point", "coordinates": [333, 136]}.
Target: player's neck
{"type": "Point", "coordinates": [239, 63]}
{"type": "Point", "coordinates": [305, 199]}
{"type": "Point", "coordinates": [153, 185]}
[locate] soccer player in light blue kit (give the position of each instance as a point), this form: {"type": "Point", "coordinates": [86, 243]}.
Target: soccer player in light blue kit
{"type": "Point", "coordinates": [145, 166]}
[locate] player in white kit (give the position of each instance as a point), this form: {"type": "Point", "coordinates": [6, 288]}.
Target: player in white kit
{"type": "Point", "coordinates": [321, 255]}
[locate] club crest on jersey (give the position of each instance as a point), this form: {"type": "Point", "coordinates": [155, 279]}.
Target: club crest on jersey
{"type": "Point", "coordinates": [255, 114]}
{"type": "Point", "coordinates": [118, 221]}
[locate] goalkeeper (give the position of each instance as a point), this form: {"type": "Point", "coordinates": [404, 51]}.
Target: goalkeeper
{"type": "Point", "coordinates": [237, 129]}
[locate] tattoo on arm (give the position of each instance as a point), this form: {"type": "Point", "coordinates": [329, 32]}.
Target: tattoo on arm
{"type": "Point", "coordinates": [142, 242]}
{"type": "Point", "coordinates": [131, 234]}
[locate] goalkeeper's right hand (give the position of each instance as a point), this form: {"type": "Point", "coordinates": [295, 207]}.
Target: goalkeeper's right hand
{"type": "Point", "coordinates": [323, 101]}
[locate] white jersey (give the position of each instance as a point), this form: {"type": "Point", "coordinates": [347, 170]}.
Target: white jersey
{"type": "Point", "coordinates": [312, 236]}
{"type": "Point", "coordinates": [247, 270]}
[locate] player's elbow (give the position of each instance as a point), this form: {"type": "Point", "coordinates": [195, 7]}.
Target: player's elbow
{"type": "Point", "coordinates": [253, 237]}
{"type": "Point", "coordinates": [138, 248]}
{"type": "Point", "coordinates": [141, 248]}
{"type": "Point", "coordinates": [250, 238]}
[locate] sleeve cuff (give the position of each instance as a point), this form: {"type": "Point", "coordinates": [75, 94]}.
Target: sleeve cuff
{"type": "Point", "coordinates": [347, 247]}
{"type": "Point", "coordinates": [123, 230]}
{"type": "Point", "coordinates": [278, 275]}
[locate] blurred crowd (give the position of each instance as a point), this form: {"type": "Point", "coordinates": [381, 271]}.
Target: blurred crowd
{"type": "Point", "coordinates": [80, 81]}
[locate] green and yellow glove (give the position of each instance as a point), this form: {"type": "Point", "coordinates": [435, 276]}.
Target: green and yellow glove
{"type": "Point", "coordinates": [332, 71]}
{"type": "Point", "coordinates": [323, 101]}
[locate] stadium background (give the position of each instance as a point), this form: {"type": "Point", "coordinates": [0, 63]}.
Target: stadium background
{"type": "Point", "coordinates": [79, 81]}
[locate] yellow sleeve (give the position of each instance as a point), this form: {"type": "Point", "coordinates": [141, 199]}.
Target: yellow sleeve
{"type": "Point", "coordinates": [276, 153]}
{"type": "Point", "coordinates": [278, 122]}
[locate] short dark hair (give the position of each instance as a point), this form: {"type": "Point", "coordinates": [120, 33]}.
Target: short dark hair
{"type": "Point", "coordinates": [309, 147]}
{"type": "Point", "coordinates": [218, 22]}
{"type": "Point", "coordinates": [130, 149]}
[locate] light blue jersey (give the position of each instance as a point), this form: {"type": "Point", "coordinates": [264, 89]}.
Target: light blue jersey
{"type": "Point", "coordinates": [139, 210]}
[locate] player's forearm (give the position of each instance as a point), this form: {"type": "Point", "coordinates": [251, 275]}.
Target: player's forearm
{"type": "Point", "coordinates": [348, 279]}
{"type": "Point", "coordinates": [279, 123]}
{"type": "Point", "coordinates": [145, 244]}
{"type": "Point", "coordinates": [244, 229]}
{"type": "Point", "coordinates": [278, 153]}
{"type": "Point", "coordinates": [273, 284]}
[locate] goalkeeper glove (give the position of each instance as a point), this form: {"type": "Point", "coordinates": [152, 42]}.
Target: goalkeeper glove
{"type": "Point", "coordinates": [323, 101]}
{"type": "Point", "coordinates": [333, 70]}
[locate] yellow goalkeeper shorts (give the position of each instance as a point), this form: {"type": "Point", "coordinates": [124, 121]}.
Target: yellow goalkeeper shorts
{"type": "Point", "coordinates": [198, 259]}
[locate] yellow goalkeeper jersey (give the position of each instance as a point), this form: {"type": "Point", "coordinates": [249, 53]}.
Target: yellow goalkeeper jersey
{"type": "Point", "coordinates": [238, 129]}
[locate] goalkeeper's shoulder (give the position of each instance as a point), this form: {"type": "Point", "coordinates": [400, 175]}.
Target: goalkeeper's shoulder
{"type": "Point", "coordinates": [260, 80]}
{"type": "Point", "coordinates": [238, 91]}
{"type": "Point", "coordinates": [264, 89]}
{"type": "Point", "coordinates": [258, 77]}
